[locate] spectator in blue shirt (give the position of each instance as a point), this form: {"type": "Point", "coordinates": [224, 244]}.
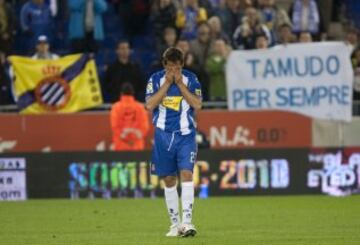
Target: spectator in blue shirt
{"type": "Point", "coordinates": [35, 20]}
{"type": "Point", "coordinates": [86, 25]}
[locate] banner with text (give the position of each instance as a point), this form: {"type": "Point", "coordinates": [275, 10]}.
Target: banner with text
{"type": "Point", "coordinates": [12, 179]}
{"type": "Point", "coordinates": [281, 171]}
{"type": "Point", "coordinates": [312, 79]}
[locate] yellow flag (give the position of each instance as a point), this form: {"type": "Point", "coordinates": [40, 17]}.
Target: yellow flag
{"type": "Point", "coordinates": [68, 84]}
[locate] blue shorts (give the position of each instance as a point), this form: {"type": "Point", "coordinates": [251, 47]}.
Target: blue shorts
{"type": "Point", "coordinates": [173, 152]}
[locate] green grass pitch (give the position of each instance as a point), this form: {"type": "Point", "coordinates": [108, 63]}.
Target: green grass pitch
{"type": "Point", "coordinates": [240, 220]}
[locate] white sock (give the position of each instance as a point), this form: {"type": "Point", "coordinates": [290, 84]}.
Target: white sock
{"type": "Point", "coordinates": [187, 198]}
{"type": "Point", "coordinates": [172, 203]}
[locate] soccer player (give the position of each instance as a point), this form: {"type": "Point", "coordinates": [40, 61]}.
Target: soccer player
{"type": "Point", "coordinates": [173, 95]}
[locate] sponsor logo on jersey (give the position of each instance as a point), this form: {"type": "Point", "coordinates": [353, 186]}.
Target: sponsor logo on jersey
{"type": "Point", "coordinates": [198, 92]}
{"type": "Point", "coordinates": [149, 88]}
{"type": "Point", "coordinates": [172, 102]}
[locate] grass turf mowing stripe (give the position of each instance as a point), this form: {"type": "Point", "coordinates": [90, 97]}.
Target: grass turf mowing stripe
{"type": "Point", "coordinates": [235, 220]}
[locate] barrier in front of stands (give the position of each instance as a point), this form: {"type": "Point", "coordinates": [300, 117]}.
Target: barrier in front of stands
{"type": "Point", "coordinates": [91, 131]}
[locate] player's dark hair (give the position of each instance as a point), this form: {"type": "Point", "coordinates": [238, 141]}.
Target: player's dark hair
{"type": "Point", "coordinates": [127, 89]}
{"type": "Point", "coordinates": [174, 55]}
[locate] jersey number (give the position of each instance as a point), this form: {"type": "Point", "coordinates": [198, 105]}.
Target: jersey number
{"type": "Point", "coordinates": [192, 157]}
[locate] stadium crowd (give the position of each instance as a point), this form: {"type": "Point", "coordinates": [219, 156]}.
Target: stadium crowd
{"type": "Point", "coordinates": [128, 37]}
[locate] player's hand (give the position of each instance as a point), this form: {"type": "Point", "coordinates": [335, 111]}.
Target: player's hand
{"type": "Point", "coordinates": [169, 76]}
{"type": "Point", "coordinates": [178, 76]}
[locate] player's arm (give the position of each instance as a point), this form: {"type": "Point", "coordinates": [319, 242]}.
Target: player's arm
{"type": "Point", "coordinates": [193, 100]}
{"type": "Point", "coordinates": [154, 100]}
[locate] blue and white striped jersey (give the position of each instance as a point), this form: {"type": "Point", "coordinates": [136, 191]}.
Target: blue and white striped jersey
{"type": "Point", "coordinates": [174, 113]}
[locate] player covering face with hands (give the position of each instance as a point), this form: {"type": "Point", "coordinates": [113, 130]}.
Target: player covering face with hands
{"type": "Point", "coordinates": [173, 95]}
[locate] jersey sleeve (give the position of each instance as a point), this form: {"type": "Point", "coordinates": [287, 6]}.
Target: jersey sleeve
{"type": "Point", "coordinates": [151, 87]}
{"type": "Point", "coordinates": [195, 86]}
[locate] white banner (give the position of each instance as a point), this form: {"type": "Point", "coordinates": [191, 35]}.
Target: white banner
{"type": "Point", "coordinates": [12, 179]}
{"type": "Point", "coordinates": [312, 79]}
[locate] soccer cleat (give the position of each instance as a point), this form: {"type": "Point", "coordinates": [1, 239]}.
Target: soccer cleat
{"type": "Point", "coordinates": [173, 231]}
{"type": "Point", "coordinates": [187, 230]}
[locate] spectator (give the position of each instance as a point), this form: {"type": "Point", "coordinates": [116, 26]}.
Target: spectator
{"type": "Point", "coordinates": [306, 16]}
{"type": "Point", "coordinates": [190, 62]}
{"type": "Point", "coordinates": [5, 84]}
{"type": "Point", "coordinates": [169, 40]}
{"type": "Point", "coordinates": [285, 35]}
{"type": "Point", "coordinates": [209, 6]}
{"type": "Point", "coordinates": [230, 16]}
{"type": "Point", "coordinates": [188, 18]}
{"type": "Point", "coordinates": [249, 3]}
{"type": "Point", "coordinates": [43, 50]}
{"type": "Point", "coordinates": [6, 27]}
{"type": "Point", "coordinates": [35, 20]}
{"type": "Point", "coordinates": [215, 66]}
{"type": "Point", "coordinates": [214, 4]}
{"type": "Point", "coordinates": [134, 14]}
{"type": "Point", "coordinates": [216, 29]}
{"type": "Point", "coordinates": [245, 35]}
{"type": "Point", "coordinates": [356, 65]}
{"type": "Point", "coordinates": [305, 37]}
{"type": "Point", "coordinates": [261, 42]}
{"type": "Point", "coordinates": [163, 15]}
{"type": "Point", "coordinates": [202, 47]}
{"type": "Point", "coordinates": [129, 122]}
{"type": "Point", "coordinates": [123, 70]}
{"type": "Point", "coordinates": [86, 25]}
{"type": "Point", "coordinates": [272, 15]}
{"type": "Point", "coordinates": [203, 44]}
{"type": "Point", "coordinates": [352, 39]}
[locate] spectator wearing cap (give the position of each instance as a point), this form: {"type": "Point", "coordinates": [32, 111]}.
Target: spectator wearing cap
{"type": "Point", "coordinates": [245, 35]}
{"type": "Point", "coordinates": [129, 121]}
{"type": "Point", "coordinates": [123, 70]}
{"type": "Point", "coordinates": [189, 17]}
{"type": "Point", "coordinates": [35, 20]}
{"type": "Point", "coordinates": [86, 24]}
{"type": "Point", "coordinates": [305, 15]}
{"type": "Point", "coordinates": [7, 27]}
{"type": "Point", "coordinates": [43, 50]}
